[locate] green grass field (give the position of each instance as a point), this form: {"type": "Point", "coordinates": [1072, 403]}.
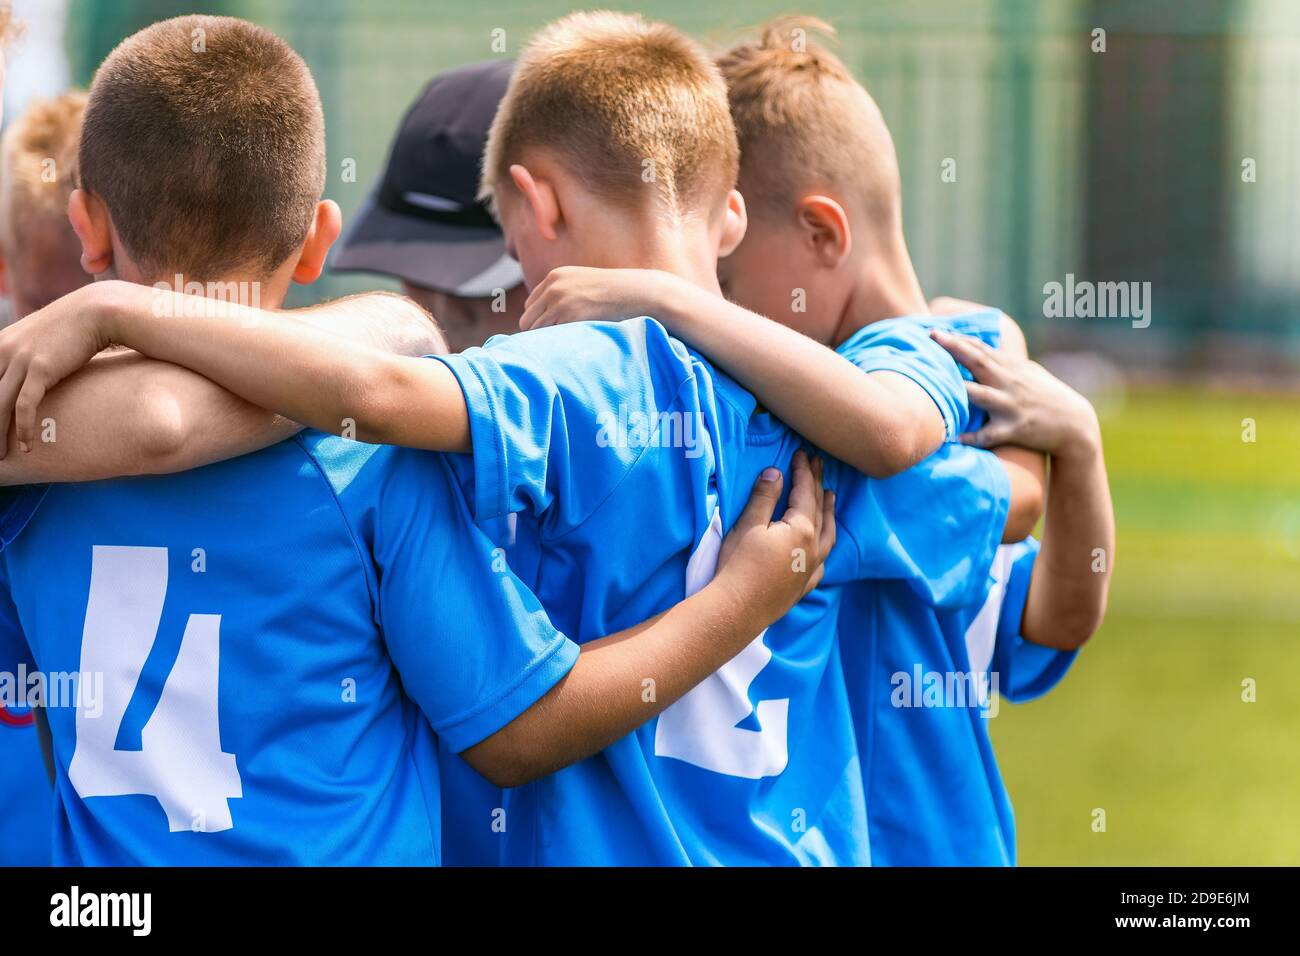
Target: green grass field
{"type": "Point", "coordinates": [1150, 726]}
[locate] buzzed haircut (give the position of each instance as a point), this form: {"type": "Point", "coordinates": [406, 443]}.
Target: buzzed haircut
{"type": "Point", "coordinates": [636, 108]}
{"type": "Point", "coordinates": [805, 123]}
{"type": "Point", "coordinates": [38, 169]}
{"type": "Point", "coordinates": [205, 138]}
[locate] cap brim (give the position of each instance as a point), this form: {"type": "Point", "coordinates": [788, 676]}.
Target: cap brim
{"type": "Point", "coordinates": [462, 261]}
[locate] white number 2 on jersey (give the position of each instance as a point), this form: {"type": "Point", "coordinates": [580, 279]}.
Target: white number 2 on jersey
{"type": "Point", "coordinates": [180, 761]}
{"type": "Point", "coordinates": [701, 727]}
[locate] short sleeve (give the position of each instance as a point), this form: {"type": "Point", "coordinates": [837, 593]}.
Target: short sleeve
{"type": "Point", "coordinates": [559, 416]}
{"type": "Point", "coordinates": [472, 644]}
{"type": "Point", "coordinates": [1025, 670]}
{"type": "Point", "coordinates": [936, 526]}
{"type": "Point", "coordinates": [985, 325]}
{"type": "Point", "coordinates": [904, 346]}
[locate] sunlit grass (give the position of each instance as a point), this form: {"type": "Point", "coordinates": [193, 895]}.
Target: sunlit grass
{"type": "Point", "coordinates": [1150, 726]}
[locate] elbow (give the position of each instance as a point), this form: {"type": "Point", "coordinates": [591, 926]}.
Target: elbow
{"type": "Point", "coordinates": [891, 456]}
{"type": "Point", "coordinates": [503, 764]}
{"type": "Point", "coordinates": [911, 431]}
{"type": "Point", "coordinates": [423, 335]}
{"type": "Point", "coordinates": [507, 777]}
{"type": "Point", "coordinates": [1073, 630]}
{"type": "Point", "coordinates": [895, 459]}
{"type": "Point", "coordinates": [160, 445]}
{"type": "Point", "coordinates": [505, 771]}
{"type": "Point", "coordinates": [1073, 635]}
{"type": "Point", "coordinates": [1025, 512]}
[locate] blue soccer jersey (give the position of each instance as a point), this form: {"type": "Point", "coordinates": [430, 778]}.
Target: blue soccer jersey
{"type": "Point", "coordinates": [473, 809]}
{"type": "Point", "coordinates": [221, 650]}
{"type": "Point", "coordinates": [629, 456]}
{"type": "Point", "coordinates": [923, 683]}
{"type": "Point", "coordinates": [25, 798]}
{"type": "Point", "coordinates": [921, 676]}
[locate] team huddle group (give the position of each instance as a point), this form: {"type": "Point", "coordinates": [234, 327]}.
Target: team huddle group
{"type": "Point", "coordinates": [723, 557]}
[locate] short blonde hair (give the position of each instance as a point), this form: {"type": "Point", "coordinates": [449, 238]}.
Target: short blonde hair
{"type": "Point", "coordinates": [38, 167]}
{"type": "Point", "coordinates": [805, 123]}
{"type": "Point", "coordinates": [625, 103]}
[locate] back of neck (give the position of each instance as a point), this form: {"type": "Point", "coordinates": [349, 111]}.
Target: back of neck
{"type": "Point", "coordinates": [684, 249]}
{"type": "Point", "coordinates": [887, 288]}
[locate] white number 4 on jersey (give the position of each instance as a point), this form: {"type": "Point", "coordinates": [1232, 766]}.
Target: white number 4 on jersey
{"type": "Point", "coordinates": [180, 762]}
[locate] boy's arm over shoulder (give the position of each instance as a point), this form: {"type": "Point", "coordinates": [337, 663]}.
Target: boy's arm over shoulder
{"type": "Point", "coordinates": [901, 350]}
{"type": "Point", "coordinates": [125, 414]}
{"type": "Point", "coordinates": [135, 416]}
{"type": "Point", "coordinates": [879, 424]}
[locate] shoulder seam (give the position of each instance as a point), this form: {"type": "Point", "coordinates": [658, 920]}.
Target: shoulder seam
{"type": "Point", "coordinates": [347, 524]}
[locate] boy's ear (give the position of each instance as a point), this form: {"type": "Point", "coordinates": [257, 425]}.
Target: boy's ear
{"type": "Point", "coordinates": [825, 227]}
{"type": "Point", "coordinates": [325, 228]}
{"type": "Point", "coordinates": [735, 223]}
{"type": "Point", "coordinates": [4, 277]}
{"type": "Point", "coordinates": [541, 200]}
{"type": "Point", "coordinates": [91, 222]}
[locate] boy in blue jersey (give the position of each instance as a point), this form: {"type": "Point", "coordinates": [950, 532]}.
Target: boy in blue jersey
{"type": "Point", "coordinates": [624, 455]}
{"type": "Point", "coordinates": [254, 661]}
{"type": "Point", "coordinates": [820, 174]}
{"type": "Point", "coordinates": [934, 791]}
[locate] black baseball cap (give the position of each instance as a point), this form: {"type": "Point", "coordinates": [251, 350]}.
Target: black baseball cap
{"type": "Point", "coordinates": [423, 222]}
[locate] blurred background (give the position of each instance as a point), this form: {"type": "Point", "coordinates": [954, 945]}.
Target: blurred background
{"type": "Point", "coordinates": [1163, 149]}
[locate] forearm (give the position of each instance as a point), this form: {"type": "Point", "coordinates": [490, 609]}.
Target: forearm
{"type": "Point", "coordinates": [304, 372]}
{"type": "Point", "coordinates": [127, 415]}
{"type": "Point", "coordinates": [1026, 468]}
{"type": "Point", "coordinates": [1071, 577]}
{"type": "Point", "coordinates": [1027, 471]}
{"type": "Point", "coordinates": [880, 424]}
{"type": "Point", "coordinates": [617, 684]}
